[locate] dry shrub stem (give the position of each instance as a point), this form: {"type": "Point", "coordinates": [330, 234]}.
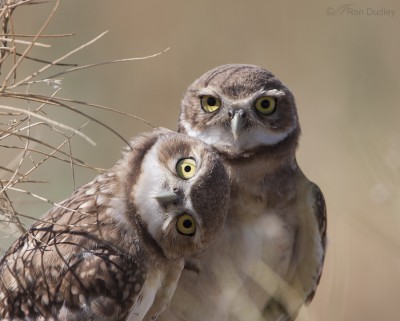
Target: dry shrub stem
{"type": "Point", "coordinates": [30, 97]}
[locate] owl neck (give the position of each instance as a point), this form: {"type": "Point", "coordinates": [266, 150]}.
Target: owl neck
{"type": "Point", "coordinates": [250, 170]}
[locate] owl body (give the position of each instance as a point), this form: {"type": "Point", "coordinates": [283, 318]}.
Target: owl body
{"type": "Point", "coordinates": [115, 249]}
{"type": "Point", "coordinates": [268, 261]}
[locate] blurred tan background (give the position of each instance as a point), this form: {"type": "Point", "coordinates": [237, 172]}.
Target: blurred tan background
{"type": "Point", "coordinates": [341, 63]}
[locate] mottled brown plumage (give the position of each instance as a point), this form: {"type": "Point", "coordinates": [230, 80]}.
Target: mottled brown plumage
{"type": "Point", "coordinates": [115, 249]}
{"type": "Point", "coordinates": [268, 262]}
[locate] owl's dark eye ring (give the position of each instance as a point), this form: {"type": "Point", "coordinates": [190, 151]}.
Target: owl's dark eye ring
{"type": "Point", "coordinates": [210, 103]}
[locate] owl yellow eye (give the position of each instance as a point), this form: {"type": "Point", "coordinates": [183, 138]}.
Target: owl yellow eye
{"type": "Point", "coordinates": [210, 103]}
{"type": "Point", "coordinates": [266, 105]}
{"type": "Point", "coordinates": [186, 225]}
{"type": "Point", "coordinates": [186, 168]}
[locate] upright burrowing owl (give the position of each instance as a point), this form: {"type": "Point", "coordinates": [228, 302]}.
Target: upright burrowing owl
{"type": "Point", "coordinates": [115, 249]}
{"type": "Point", "coordinates": [269, 259]}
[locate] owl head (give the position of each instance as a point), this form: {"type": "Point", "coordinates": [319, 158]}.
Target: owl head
{"type": "Point", "coordinates": [239, 108]}
{"type": "Point", "coordinates": [179, 190]}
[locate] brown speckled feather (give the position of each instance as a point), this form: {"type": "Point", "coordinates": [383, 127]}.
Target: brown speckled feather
{"type": "Point", "coordinates": [115, 249]}
{"type": "Point", "coordinates": [70, 267]}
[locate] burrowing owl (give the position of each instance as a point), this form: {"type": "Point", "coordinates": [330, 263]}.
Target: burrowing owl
{"type": "Point", "coordinates": [115, 249]}
{"type": "Point", "coordinates": [269, 259]}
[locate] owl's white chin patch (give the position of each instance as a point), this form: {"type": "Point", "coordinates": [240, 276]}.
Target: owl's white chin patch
{"type": "Point", "coordinates": [223, 138]}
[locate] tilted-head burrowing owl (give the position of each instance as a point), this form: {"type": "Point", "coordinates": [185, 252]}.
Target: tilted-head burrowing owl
{"type": "Point", "coordinates": [269, 259]}
{"type": "Point", "coordinates": [115, 249]}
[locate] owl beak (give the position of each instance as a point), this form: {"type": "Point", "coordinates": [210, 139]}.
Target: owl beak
{"type": "Point", "coordinates": [165, 197]}
{"type": "Point", "coordinates": [237, 123]}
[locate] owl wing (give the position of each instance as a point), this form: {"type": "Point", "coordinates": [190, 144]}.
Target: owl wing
{"type": "Point", "coordinates": [308, 259]}
{"type": "Point", "coordinates": [75, 263]}
{"type": "Point", "coordinates": [100, 285]}
{"type": "Point", "coordinates": [91, 284]}
{"type": "Point", "coordinates": [319, 210]}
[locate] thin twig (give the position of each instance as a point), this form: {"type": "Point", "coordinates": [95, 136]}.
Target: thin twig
{"type": "Point", "coordinates": [10, 170]}
{"type": "Point", "coordinates": [38, 44]}
{"type": "Point", "coordinates": [10, 114]}
{"type": "Point", "coordinates": [54, 150]}
{"type": "Point", "coordinates": [49, 146]}
{"type": "Point", "coordinates": [25, 2]}
{"type": "Point", "coordinates": [38, 72]}
{"type": "Point", "coordinates": [25, 118]}
{"type": "Point", "coordinates": [55, 223]}
{"type": "Point", "coordinates": [106, 63]}
{"type": "Point", "coordinates": [106, 108]}
{"type": "Point", "coordinates": [61, 35]}
{"type": "Point", "coordinates": [50, 121]}
{"type": "Point", "coordinates": [9, 203]}
{"type": "Point", "coordinates": [47, 62]}
{"type": "Point", "coordinates": [57, 102]}
{"type": "Point", "coordinates": [76, 163]}
{"type": "Point", "coordinates": [48, 201]}
{"type": "Point", "coordinates": [15, 66]}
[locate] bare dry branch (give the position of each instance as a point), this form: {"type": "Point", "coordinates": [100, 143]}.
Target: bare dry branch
{"type": "Point", "coordinates": [36, 73]}
{"type": "Point", "coordinates": [25, 112]}
{"type": "Point", "coordinates": [50, 121]}
{"type": "Point", "coordinates": [106, 63]}
{"type": "Point", "coordinates": [15, 66]}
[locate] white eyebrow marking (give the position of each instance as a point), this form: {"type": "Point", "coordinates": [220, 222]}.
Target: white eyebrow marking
{"type": "Point", "coordinates": [209, 91]}
{"type": "Point", "coordinates": [262, 92]}
{"type": "Point", "coordinates": [273, 92]}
